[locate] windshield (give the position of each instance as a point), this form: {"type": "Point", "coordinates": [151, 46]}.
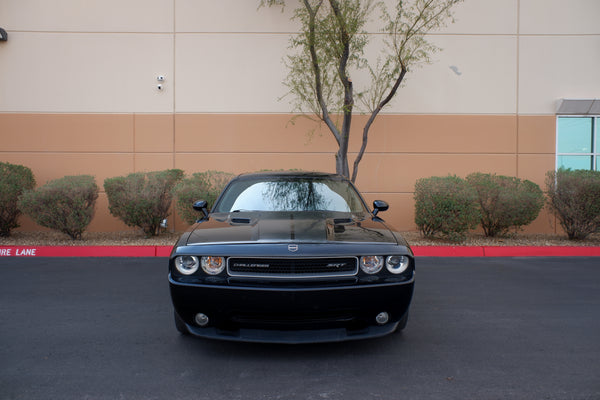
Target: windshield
{"type": "Point", "coordinates": [290, 194]}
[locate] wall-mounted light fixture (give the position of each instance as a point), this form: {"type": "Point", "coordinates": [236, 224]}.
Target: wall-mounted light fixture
{"type": "Point", "coordinates": [160, 79]}
{"type": "Point", "coordinates": [3, 35]}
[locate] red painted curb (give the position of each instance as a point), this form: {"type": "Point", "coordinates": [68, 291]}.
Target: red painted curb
{"type": "Point", "coordinates": [81, 251]}
{"type": "Point", "coordinates": [448, 251]}
{"type": "Point", "coordinates": [539, 251]}
{"type": "Point", "coordinates": [419, 251]}
{"type": "Point", "coordinates": [505, 251]}
{"type": "Point", "coordinates": [163, 251]}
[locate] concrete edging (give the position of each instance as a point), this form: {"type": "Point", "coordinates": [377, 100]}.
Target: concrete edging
{"type": "Point", "coordinates": [420, 251]}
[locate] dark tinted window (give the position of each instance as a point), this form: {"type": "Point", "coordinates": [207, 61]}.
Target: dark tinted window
{"type": "Point", "coordinates": [290, 194]}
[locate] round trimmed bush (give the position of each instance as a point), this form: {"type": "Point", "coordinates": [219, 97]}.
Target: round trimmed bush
{"type": "Point", "coordinates": [505, 202]}
{"type": "Point", "coordinates": [14, 180]}
{"type": "Point", "coordinates": [200, 186]}
{"type": "Point", "coordinates": [445, 205]}
{"type": "Point", "coordinates": [142, 199]}
{"type": "Point", "coordinates": [574, 198]}
{"type": "Point", "coordinates": [65, 204]}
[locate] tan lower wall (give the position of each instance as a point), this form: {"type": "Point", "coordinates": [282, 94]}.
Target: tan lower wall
{"type": "Point", "coordinates": [402, 148]}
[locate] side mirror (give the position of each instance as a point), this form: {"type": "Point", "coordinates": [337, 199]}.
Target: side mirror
{"type": "Point", "coordinates": [379, 205]}
{"type": "Point", "coordinates": [201, 205]}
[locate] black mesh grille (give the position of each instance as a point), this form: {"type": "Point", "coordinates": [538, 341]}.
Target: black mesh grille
{"type": "Point", "coordinates": [292, 267]}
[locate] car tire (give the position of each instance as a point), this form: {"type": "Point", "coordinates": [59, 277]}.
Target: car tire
{"type": "Point", "coordinates": [180, 325]}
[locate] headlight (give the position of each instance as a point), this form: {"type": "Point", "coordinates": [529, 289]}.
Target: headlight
{"type": "Point", "coordinates": [371, 264]}
{"type": "Point", "coordinates": [187, 265]}
{"type": "Point", "coordinates": [213, 265]}
{"type": "Point", "coordinates": [397, 264]}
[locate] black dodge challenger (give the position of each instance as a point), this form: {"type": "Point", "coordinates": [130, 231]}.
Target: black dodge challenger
{"type": "Point", "coordinates": [291, 258]}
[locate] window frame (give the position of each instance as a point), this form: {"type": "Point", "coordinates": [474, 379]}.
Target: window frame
{"type": "Point", "coordinates": [595, 145]}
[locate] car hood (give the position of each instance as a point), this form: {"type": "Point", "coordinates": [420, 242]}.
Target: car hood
{"type": "Point", "coordinates": [290, 227]}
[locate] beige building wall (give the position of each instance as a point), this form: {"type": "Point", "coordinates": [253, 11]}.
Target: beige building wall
{"type": "Point", "coordinates": [78, 94]}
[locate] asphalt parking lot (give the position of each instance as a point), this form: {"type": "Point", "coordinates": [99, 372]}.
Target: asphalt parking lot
{"type": "Point", "coordinates": [480, 328]}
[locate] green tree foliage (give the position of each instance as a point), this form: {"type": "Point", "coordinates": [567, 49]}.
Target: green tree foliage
{"type": "Point", "coordinates": [329, 52]}
{"type": "Point", "coordinates": [445, 205]}
{"type": "Point", "coordinates": [200, 186]}
{"type": "Point", "coordinates": [65, 204]}
{"type": "Point", "coordinates": [574, 198]}
{"type": "Point", "coordinates": [142, 199]}
{"type": "Point", "coordinates": [505, 202]}
{"type": "Point", "coordinates": [14, 180]}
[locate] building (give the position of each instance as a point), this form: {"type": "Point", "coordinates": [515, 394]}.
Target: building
{"type": "Point", "coordinates": [112, 87]}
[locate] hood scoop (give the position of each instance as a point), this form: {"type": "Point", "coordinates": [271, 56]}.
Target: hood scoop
{"type": "Point", "coordinates": [231, 220]}
{"type": "Point", "coordinates": [242, 221]}
{"type": "Point", "coordinates": [338, 221]}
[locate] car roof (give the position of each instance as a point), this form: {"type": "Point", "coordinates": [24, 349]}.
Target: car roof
{"type": "Point", "coordinates": [291, 174]}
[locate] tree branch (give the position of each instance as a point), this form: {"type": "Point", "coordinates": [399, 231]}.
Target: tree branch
{"type": "Point", "coordinates": [345, 38]}
{"type": "Point", "coordinates": [371, 119]}
{"type": "Point", "coordinates": [312, 13]}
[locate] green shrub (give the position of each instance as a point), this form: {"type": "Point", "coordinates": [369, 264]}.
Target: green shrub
{"type": "Point", "coordinates": [200, 186]}
{"type": "Point", "coordinates": [445, 205]}
{"type": "Point", "coordinates": [142, 199]}
{"type": "Point", "coordinates": [65, 204]}
{"type": "Point", "coordinates": [574, 198]}
{"type": "Point", "coordinates": [505, 202]}
{"type": "Point", "coordinates": [14, 180]}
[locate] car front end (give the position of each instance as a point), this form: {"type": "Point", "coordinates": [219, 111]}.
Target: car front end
{"type": "Point", "coordinates": [292, 276]}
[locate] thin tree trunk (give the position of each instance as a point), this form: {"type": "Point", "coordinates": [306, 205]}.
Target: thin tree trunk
{"type": "Point", "coordinates": [341, 160]}
{"type": "Point", "coordinates": [374, 114]}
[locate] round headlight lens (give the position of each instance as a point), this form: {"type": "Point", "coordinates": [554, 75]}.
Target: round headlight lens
{"type": "Point", "coordinates": [187, 265]}
{"type": "Point", "coordinates": [213, 265]}
{"type": "Point", "coordinates": [397, 264]}
{"type": "Point", "coordinates": [371, 264]}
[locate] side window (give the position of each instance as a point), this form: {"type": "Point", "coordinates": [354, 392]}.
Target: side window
{"type": "Point", "coordinates": [577, 143]}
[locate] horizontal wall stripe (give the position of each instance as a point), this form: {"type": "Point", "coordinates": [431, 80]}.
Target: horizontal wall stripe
{"type": "Point", "coordinates": [402, 149]}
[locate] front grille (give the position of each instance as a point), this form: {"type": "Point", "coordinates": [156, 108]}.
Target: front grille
{"type": "Point", "coordinates": [295, 322]}
{"type": "Point", "coordinates": [292, 267]}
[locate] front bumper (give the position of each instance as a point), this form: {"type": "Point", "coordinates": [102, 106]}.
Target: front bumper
{"type": "Point", "coordinates": [328, 312]}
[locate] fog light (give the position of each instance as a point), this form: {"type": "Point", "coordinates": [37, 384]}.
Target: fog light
{"type": "Point", "coordinates": [382, 318]}
{"type": "Point", "coordinates": [201, 319]}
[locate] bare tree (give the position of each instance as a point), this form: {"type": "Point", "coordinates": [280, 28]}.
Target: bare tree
{"type": "Point", "coordinates": [330, 48]}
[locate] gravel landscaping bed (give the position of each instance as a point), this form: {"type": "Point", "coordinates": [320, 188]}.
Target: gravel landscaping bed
{"type": "Point", "coordinates": [479, 239]}
{"type": "Point", "coordinates": [130, 238]}
{"type": "Point", "coordinates": [135, 238]}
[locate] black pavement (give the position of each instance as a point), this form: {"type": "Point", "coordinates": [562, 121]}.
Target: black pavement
{"type": "Point", "coordinates": [493, 328]}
